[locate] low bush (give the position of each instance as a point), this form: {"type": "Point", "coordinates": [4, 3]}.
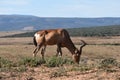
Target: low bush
{"type": "Point", "coordinates": [81, 68]}
{"type": "Point", "coordinates": [109, 65]}
{"type": "Point", "coordinates": [57, 61]}
{"type": "Point", "coordinates": [21, 69]}
{"type": "Point", "coordinates": [5, 63]}
{"type": "Point", "coordinates": [59, 72]}
{"type": "Point", "coordinates": [32, 62]}
{"type": "Point", "coordinates": [108, 62]}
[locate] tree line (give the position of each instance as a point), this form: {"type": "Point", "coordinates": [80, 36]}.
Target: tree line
{"type": "Point", "coordinates": [96, 31]}
{"type": "Point", "coordinates": [85, 32]}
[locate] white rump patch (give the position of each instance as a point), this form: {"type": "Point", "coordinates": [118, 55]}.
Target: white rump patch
{"type": "Point", "coordinates": [37, 36]}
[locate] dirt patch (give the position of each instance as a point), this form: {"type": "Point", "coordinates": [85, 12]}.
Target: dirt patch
{"type": "Point", "coordinates": [44, 73]}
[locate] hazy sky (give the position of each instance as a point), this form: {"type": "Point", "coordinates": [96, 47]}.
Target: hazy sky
{"type": "Point", "coordinates": [61, 8]}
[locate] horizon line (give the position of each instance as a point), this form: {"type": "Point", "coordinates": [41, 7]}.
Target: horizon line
{"type": "Point", "coordinates": [60, 16]}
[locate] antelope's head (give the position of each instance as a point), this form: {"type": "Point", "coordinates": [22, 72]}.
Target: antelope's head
{"type": "Point", "coordinates": [78, 53]}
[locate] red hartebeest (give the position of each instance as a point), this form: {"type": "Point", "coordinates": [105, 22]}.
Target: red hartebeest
{"type": "Point", "coordinates": [59, 37]}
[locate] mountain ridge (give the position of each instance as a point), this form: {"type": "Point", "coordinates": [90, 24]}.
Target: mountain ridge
{"type": "Point", "coordinates": [30, 22]}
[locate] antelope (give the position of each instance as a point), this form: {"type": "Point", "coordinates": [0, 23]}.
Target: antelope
{"type": "Point", "coordinates": [59, 37]}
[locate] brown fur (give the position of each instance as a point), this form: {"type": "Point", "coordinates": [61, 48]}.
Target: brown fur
{"type": "Point", "coordinates": [59, 37]}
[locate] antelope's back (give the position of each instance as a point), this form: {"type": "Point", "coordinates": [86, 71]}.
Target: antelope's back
{"type": "Point", "coordinates": [54, 36]}
{"type": "Point", "coordinates": [51, 36]}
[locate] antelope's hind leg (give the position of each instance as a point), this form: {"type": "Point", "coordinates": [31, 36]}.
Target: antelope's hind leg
{"type": "Point", "coordinates": [36, 50]}
{"type": "Point", "coordinates": [43, 51]}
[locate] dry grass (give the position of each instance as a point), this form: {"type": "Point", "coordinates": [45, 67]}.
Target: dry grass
{"type": "Point", "coordinates": [16, 48]}
{"type": "Point", "coordinates": [6, 33]}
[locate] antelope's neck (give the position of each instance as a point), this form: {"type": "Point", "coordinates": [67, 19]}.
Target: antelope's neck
{"type": "Point", "coordinates": [71, 47]}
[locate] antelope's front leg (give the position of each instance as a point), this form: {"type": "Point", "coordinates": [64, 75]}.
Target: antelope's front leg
{"type": "Point", "coordinates": [59, 51]}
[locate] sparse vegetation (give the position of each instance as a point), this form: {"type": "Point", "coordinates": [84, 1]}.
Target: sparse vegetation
{"type": "Point", "coordinates": [32, 62]}
{"type": "Point", "coordinates": [82, 68]}
{"type": "Point", "coordinates": [5, 63]}
{"type": "Point", "coordinates": [108, 62]}
{"type": "Point", "coordinates": [109, 65]}
{"type": "Point", "coordinates": [57, 61]}
{"type": "Point", "coordinates": [23, 63]}
{"type": "Point", "coordinates": [59, 72]}
{"type": "Point", "coordinates": [21, 68]}
{"type": "Point", "coordinates": [98, 61]}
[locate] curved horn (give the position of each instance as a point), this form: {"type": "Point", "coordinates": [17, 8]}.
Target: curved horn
{"type": "Point", "coordinates": [83, 44]}
{"type": "Point", "coordinates": [78, 55]}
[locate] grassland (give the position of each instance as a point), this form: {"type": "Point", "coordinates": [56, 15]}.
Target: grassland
{"type": "Point", "coordinates": [100, 60]}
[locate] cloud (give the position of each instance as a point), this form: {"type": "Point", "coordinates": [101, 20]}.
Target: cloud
{"type": "Point", "coordinates": [14, 2]}
{"type": "Point", "coordinates": [28, 28]}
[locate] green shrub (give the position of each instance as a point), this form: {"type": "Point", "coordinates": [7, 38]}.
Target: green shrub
{"type": "Point", "coordinates": [109, 65]}
{"type": "Point", "coordinates": [32, 62]}
{"type": "Point", "coordinates": [54, 62]}
{"type": "Point", "coordinates": [108, 62]}
{"type": "Point", "coordinates": [5, 63]}
{"type": "Point", "coordinates": [57, 61]}
{"type": "Point", "coordinates": [59, 72]}
{"type": "Point", "coordinates": [81, 68]}
{"type": "Point", "coordinates": [21, 69]}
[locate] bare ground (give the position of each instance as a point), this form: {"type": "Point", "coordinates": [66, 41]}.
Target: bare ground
{"type": "Point", "coordinates": [14, 48]}
{"type": "Point", "coordinates": [44, 73]}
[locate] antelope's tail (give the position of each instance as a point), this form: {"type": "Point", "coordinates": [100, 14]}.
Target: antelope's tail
{"type": "Point", "coordinates": [34, 41]}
